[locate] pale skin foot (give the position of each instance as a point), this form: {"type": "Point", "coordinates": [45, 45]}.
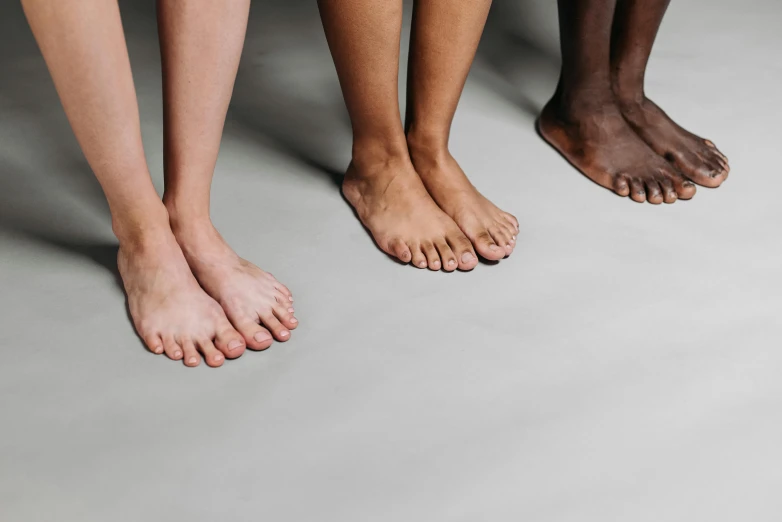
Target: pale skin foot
{"type": "Point", "coordinates": [598, 141]}
{"type": "Point", "coordinates": [170, 311]}
{"type": "Point", "coordinates": [257, 305]}
{"type": "Point", "coordinates": [405, 222]}
{"type": "Point", "coordinates": [491, 230]}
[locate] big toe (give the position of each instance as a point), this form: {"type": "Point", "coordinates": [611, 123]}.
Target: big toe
{"type": "Point", "coordinates": [486, 246]}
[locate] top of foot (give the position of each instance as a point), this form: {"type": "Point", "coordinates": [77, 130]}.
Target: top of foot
{"type": "Point", "coordinates": [599, 142]}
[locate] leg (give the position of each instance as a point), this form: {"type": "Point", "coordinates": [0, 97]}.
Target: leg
{"type": "Point", "coordinates": [444, 40]}
{"type": "Point", "coordinates": [635, 28]}
{"type": "Point", "coordinates": [83, 44]}
{"type": "Point", "coordinates": [583, 122]}
{"type": "Point", "coordinates": [201, 42]}
{"type": "Point", "coordinates": [381, 182]}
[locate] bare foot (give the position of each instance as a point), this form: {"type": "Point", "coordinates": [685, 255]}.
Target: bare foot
{"type": "Point", "coordinates": [695, 157]}
{"type": "Point", "coordinates": [491, 230]}
{"type": "Point", "coordinates": [254, 301]}
{"type": "Point", "coordinates": [600, 143]}
{"type": "Point", "coordinates": [170, 311]}
{"type": "Point", "coordinates": [393, 204]}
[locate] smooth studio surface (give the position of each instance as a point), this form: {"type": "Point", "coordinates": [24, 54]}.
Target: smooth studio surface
{"type": "Point", "coordinates": [623, 364]}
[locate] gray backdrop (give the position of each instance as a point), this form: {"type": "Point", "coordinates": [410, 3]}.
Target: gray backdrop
{"type": "Point", "coordinates": [623, 365]}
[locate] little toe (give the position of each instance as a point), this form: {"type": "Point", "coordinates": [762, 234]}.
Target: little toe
{"type": "Point", "coordinates": [191, 357]}
{"type": "Point", "coordinates": [285, 317]}
{"type": "Point", "coordinates": [511, 219]}
{"type": "Point", "coordinates": [172, 349]}
{"type": "Point", "coordinates": [621, 185]}
{"type": "Point", "coordinates": [465, 255]}
{"type": "Point", "coordinates": [419, 259]}
{"type": "Point", "coordinates": [154, 343]}
{"type": "Point", "coordinates": [279, 332]}
{"type": "Point", "coordinates": [637, 192]}
{"type": "Point", "coordinates": [432, 257]}
{"type": "Point", "coordinates": [212, 355]}
{"type": "Point", "coordinates": [446, 255]}
{"type": "Point", "coordinates": [231, 342]}
{"type": "Point", "coordinates": [485, 245]}
{"type": "Point", "coordinates": [401, 251]}
{"type": "Point", "coordinates": [654, 194]}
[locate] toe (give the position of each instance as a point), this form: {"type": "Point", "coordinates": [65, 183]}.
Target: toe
{"type": "Point", "coordinates": [419, 259]}
{"type": "Point", "coordinates": [286, 317]}
{"type": "Point", "coordinates": [501, 239]}
{"type": "Point", "coordinates": [172, 349]}
{"type": "Point", "coordinates": [462, 248]}
{"type": "Point", "coordinates": [446, 255]}
{"type": "Point", "coordinates": [212, 355]}
{"type": "Point", "coordinates": [275, 327]}
{"type": "Point", "coordinates": [154, 343]}
{"type": "Point", "coordinates": [654, 194]}
{"type": "Point", "coordinates": [401, 251]}
{"type": "Point", "coordinates": [684, 187]}
{"type": "Point", "coordinates": [486, 246]}
{"type": "Point", "coordinates": [432, 257]}
{"type": "Point", "coordinates": [191, 356]}
{"type": "Point", "coordinates": [255, 336]}
{"type": "Point", "coordinates": [230, 342]}
{"type": "Point", "coordinates": [512, 221]}
{"type": "Point", "coordinates": [637, 192]}
{"type": "Point", "coordinates": [669, 192]}
{"type": "Point", "coordinates": [621, 185]}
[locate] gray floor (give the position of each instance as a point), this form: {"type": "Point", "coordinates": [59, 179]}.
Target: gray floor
{"type": "Point", "coordinates": [623, 365]}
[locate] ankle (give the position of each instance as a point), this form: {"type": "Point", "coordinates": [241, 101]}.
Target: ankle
{"type": "Point", "coordinates": [143, 229]}
{"type": "Point", "coordinates": [628, 88]}
{"type": "Point", "coordinates": [371, 152]}
{"type": "Point", "coordinates": [427, 146]}
{"type": "Point", "coordinates": [579, 104]}
{"type": "Point", "coordinates": [184, 216]}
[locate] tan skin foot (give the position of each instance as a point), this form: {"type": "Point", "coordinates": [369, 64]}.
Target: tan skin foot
{"type": "Point", "coordinates": [491, 230]}
{"type": "Point", "coordinates": [405, 222]}
{"type": "Point", "coordinates": [696, 158]}
{"type": "Point", "coordinates": [171, 312]}
{"type": "Point", "coordinates": [601, 144]}
{"type": "Point", "coordinates": [258, 306]}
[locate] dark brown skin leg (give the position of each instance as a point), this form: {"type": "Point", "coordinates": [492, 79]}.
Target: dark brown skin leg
{"type": "Point", "coordinates": [444, 40]}
{"type": "Point", "coordinates": [635, 27]}
{"type": "Point", "coordinates": [584, 123]}
{"type": "Point", "coordinates": [381, 182]}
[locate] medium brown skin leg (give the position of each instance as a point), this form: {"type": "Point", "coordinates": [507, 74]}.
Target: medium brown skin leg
{"type": "Point", "coordinates": [635, 28]}
{"type": "Point", "coordinates": [201, 42]}
{"type": "Point", "coordinates": [381, 182]}
{"type": "Point", "coordinates": [83, 45]}
{"type": "Point", "coordinates": [584, 123]}
{"type": "Point", "coordinates": [445, 37]}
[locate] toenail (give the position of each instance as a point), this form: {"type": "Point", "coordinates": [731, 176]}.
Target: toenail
{"type": "Point", "coordinates": [291, 310]}
{"type": "Point", "coordinates": [284, 333]}
{"type": "Point", "coordinates": [177, 353]}
{"type": "Point", "coordinates": [493, 247]}
{"type": "Point", "coordinates": [451, 262]}
{"type": "Point", "coordinates": [235, 344]}
{"type": "Point", "coordinates": [192, 360]}
{"type": "Point", "coordinates": [261, 336]}
{"type": "Point", "coordinates": [467, 257]}
{"type": "Point", "coordinates": [218, 358]}
{"type": "Point", "coordinates": [158, 349]}
{"type": "Point", "coordinates": [290, 298]}
{"type": "Point", "coordinates": [688, 184]}
{"type": "Point", "coordinates": [422, 264]}
{"type": "Point", "coordinates": [294, 320]}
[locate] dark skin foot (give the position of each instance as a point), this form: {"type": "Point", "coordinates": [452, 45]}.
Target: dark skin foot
{"type": "Point", "coordinates": [634, 30]}
{"type": "Point", "coordinates": [697, 158]}
{"type": "Point", "coordinates": [600, 143]}
{"type": "Point", "coordinates": [405, 222]}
